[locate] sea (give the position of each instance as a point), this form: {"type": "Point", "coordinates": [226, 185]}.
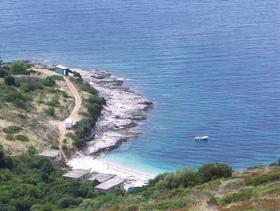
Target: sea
{"type": "Point", "coordinates": [211, 67]}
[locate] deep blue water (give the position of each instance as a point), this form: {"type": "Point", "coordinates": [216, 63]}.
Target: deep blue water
{"type": "Point", "coordinates": [211, 68]}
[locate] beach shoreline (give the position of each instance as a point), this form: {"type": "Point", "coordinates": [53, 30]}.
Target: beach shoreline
{"type": "Point", "coordinates": [94, 165]}
{"type": "Point", "coordinates": [120, 114]}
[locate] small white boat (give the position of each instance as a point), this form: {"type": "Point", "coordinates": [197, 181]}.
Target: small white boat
{"type": "Point", "coordinates": [201, 138]}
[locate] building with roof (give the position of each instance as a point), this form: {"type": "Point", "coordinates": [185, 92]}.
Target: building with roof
{"type": "Point", "coordinates": [61, 70]}
{"type": "Point", "coordinates": [102, 177]}
{"type": "Point", "coordinates": [77, 174]}
{"type": "Point", "coordinates": [54, 154]}
{"type": "Point", "coordinates": [109, 185]}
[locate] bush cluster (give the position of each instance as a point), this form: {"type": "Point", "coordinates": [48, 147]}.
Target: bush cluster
{"type": "Point", "coordinates": [11, 129]}
{"type": "Point", "coordinates": [30, 182]}
{"type": "Point", "coordinates": [189, 177]}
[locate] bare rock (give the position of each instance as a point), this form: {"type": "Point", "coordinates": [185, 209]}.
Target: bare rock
{"type": "Point", "coordinates": [122, 110]}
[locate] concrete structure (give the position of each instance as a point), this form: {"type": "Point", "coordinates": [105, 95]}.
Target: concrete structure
{"type": "Point", "coordinates": [77, 174]}
{"type": "Point", "coordinates": [102, 177]}
{"type": "Point", "coordinates": [61, 70]}
{"type": "Point", "coordinates": [54, 154]}
{"type": "Point", "coordinates": [68, 123]}
{"type": "Point", "coordinates": [109, 185]}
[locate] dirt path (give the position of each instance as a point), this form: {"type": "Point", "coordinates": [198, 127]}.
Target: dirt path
{"type": "Point", "coordinates": [74, 114]}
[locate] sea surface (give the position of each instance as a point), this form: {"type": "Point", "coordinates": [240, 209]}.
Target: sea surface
{"type": "Point", "coordinates": [211, 67]}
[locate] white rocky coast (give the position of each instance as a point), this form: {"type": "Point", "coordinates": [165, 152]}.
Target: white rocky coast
{"type": "Point", "coordinates": [122, 110]}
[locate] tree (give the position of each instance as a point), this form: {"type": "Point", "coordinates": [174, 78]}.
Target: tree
{"type": "Point", "coordinates": [2, 156]}
{"type": "Point", "coordinates": [2, 73]}
{"type": "Point", "coordinates": [9, 80]}
{"type": "Point", "coordinates": [41, 163]}
{"type": "Point", "coordinates": [48, 207]}
{"type": "Point", "coordinates": [214, 171]}
{"type": "Point", "coordinates": [18, 67]}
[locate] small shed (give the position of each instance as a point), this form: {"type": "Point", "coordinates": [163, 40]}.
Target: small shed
{"type": "Point", "coordinates": [61, 70]}
{"type": "Point", "coordinates": [109, 185]}
{"type": "Point", "coordinates": [54, 154]}
{"type": "Point", "coordinates": [102, 177]}
{"type": "Point", "coordinates": [76, 174]}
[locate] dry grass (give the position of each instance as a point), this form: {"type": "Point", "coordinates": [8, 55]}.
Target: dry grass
{"type": "Point", "coordinates": [42, 130]}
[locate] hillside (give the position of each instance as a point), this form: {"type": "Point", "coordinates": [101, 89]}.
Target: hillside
{"type": "Point", "coordinates": [35, 102]}
{"type": "Point", "coordinates": [36, 105]}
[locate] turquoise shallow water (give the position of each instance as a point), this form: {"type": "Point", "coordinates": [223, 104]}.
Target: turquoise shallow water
{"type": "Point", "coordinates": [210, 67]}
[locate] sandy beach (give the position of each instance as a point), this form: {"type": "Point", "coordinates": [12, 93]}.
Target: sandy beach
{"type": "Point", "coordinates": [131, 177]}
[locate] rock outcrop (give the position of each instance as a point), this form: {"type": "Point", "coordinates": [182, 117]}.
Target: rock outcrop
{"type": "Point", "coordinates": [123, 108]}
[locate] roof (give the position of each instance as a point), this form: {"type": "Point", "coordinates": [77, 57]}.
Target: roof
{"type": "Point", "coordinates": [61, 67]}
{"type": "Point", "coordinates": [102, 177]}
{"type": "Point", "coordinates": [50, 153]}
{"type": "Point", "coordinates": [109, 184]}
{"type": "Point", "coordinates": [76, 173]}
{"type": "Point", "coordinates": [69, 120]}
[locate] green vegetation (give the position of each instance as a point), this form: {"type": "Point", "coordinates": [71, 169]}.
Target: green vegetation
{"type": "Point", "coordinates": [11, 129]}
{"type": "Point", "coordinates": [35, 183]}
{"type": "Point", "coordinates": [94, 105]}
{"type": "Point", "coordinates": [29, 182]}
{"type": "Point", "coordinates": [22, 138]}
{"type": "Point", "coordinates": [29, 99]}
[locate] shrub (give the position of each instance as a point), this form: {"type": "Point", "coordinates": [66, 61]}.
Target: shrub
{"type": "Point", "coordinates": [169, 204]}
{"type": "Point", "coordinates": [78, 143]}
{"type": "Point", "coordinates": [132, 208]}
{"type": "Point", "coordinates": [96, 99]}
{"type": "Point", "coordinates": [10, 137]}
{"type": "Point", "coordinates": [236, 196]}
{"type": "Point", "coordinates": [31, 150]}
{"type": "Point", "coordinates": [22, 138]}
{"type": "Point", "coordinates": [3, 73]}
{"type": "Point", "coordinates": [41, 163]}
{"type": "Point", "coordinates": [64, 94]}
{"type": "Point", "coordinates": [54, 147]}
{"type": "Point", "coordinates": [94, 110]}
{"type": "Point", "coordinates": [69, 201]}
{"type": "Point", "coordinates": [57, 77]}
{"type": "Point", "coordinates": [54, 102]}
{"type": "Point", "coordinates": [11, 129]}
{"type": "Point", "coordinates": [20, 104]}
{"type": "Point", "coordinates": [86, 87]}
{"type": "Point", "coordinates": [83, 127]}
{"type": "Point", "coordinates": [212, 200]}
{"type": "Point", "coordinates": [22, 116]}
{"type": "Point", "coordinates": [48, 81]}
{"type": "Point", "coordinates": [76, 74]}
{"type": "Point", "coordinates": [9, 80]}
{"type": "Point", "coordinates": [40, 101]}
{"type": "Point", "coordinates": [214, 171]}
{"type": "Point", "coordinates": [13, 95]}
{"type": "Point", "coordinates": [18, 67]}
{"type": "Point", "coordinates": [65, 149]}
{"type": "Point", "coordinates": [262, 179]}
{"type": "Point", "coordinates": [50, 111]}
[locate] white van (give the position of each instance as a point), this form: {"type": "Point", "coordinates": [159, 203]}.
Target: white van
{"type": "Point", "coordinates": [68, 123]}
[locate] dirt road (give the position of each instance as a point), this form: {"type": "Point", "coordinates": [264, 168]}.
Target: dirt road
{"type": "Point", "coordinates": [74, 114]}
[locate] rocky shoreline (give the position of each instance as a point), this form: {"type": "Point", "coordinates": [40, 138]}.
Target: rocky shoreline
{"type": "Point", "coordinates": [122, 111]}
